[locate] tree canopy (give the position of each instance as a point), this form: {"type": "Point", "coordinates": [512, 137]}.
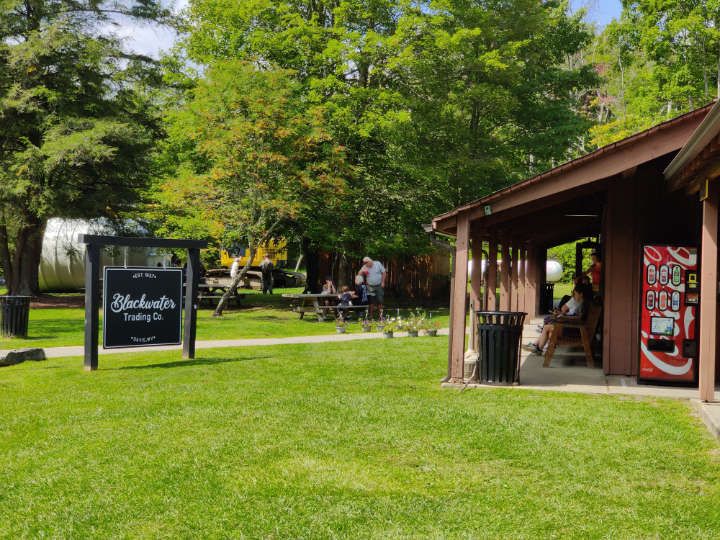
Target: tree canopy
{"type": "Point", "coordinates": [253, 157]}
{"type": "Point", "coordinates": [659, 59]}
{"type": "Point", "coordinates": [78, 122]}
{"type": "Point", "coordinates": [433, 103]}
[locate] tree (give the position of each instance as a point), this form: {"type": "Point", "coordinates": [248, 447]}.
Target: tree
{"type": "Point", "coordinates": [77, 122]}
{"type": "Point", "coordinates": [659, 59]}
{"type": "Point", "coordinates": [435, 103]}
{"type": "Point", "coordinates": [252, 156]}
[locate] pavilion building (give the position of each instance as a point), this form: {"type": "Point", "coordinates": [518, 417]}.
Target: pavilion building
{"type": "Point", "coordinates": [659, 186]}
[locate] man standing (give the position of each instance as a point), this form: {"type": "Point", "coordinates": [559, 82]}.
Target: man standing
{"type": "Point", "coordinates": [375, 272]}
{"type": "Point", "coordinates": [266, 269]}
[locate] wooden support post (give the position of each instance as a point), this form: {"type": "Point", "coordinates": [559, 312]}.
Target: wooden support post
{"type": "Point", "coordinates": [532, 283]}
{"type": "Point", "coordinates": [475, 290]}
{"type": "Point", "coordinates": [522, 266]}
{"type": "Point", "coordinates": [491, 279]}
{"type": "Point", "coordinates": [458, 314]}
{"type": "Point", "coordinates": [708, 294]}
{"type": "Point", "coordinates": [192, 279]}
{"type": "Point", "coordinates": [514, 279]}
{"type": "Point", "coordinates": [505, 277]}
{"type": "Point", "coordinates": [484, 305]}
{"type": "Point", "coordinates": [92, 305]}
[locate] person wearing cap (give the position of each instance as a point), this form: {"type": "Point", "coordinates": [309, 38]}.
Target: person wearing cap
{"type": "Point", "coordinates": [375, 275]}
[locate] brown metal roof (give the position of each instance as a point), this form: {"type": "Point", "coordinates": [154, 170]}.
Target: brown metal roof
{"type": "Point", "coordinates": [693, 117]}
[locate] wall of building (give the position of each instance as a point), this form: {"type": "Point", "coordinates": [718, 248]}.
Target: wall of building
{"type": "Point", "coordinates": [639, 211]}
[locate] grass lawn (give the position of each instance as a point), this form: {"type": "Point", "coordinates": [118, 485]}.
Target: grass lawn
{"type": "Point", "coordinates": [262, 317]}
{"type": "Point", "coordinates": [342, 439]}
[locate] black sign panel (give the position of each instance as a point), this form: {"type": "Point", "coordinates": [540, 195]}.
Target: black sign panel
{"type": "Point", "coordinates": [142, 307]}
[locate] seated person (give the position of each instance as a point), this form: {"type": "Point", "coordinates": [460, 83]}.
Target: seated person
{"type": "Point", "coordinates": [345, 297]}
{"type": "Point", "coordinates": [568, 304]}
{"type": "Point", "coordinates": [328, 287]}
{"type": "Point", "coordinates": [577, 280]}
{"type": "Point", "coordinates": [572, 310]}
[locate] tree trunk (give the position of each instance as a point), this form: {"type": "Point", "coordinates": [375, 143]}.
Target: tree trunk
{"type": "Point", "coordinates": [26, 261]}
{"type": "Point", "coordinates": [5, 259]}
{"type": "Point", "coordinates": [312, 274]}
{"type": "Point", "coordinates": [234, 284]}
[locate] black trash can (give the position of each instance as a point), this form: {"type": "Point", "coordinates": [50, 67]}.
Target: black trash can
{"type": "Point", "coordinates": [547, 297]}
{"type": "Point", "coordinates": [14, 314]}
{"type": "Point", "coordinates": [499, 337]}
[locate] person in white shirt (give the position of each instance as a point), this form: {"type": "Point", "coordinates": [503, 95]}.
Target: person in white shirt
{"type": "Point", "coordinates": [235, 268]}
{"type": "Point", "coordinates": [375, 274]}
{"type": "Point", "coordinates": [573, 309]}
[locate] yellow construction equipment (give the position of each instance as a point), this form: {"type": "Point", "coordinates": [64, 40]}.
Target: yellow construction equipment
{"type": "Point", "coordinates": [275, 249]}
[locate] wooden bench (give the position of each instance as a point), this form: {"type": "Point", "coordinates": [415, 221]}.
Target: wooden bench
{"type": "Point", "coordinates": [315, 303]}
{"type": "Point", "coordinates": [582, 334]}
{"type": "Point", "coordinates": [340, 311]}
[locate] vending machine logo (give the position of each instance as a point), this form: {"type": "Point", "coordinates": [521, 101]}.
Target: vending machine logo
{"type": "Point", "coordinates": [668, 314]}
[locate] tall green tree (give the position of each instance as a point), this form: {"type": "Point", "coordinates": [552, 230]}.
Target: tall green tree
{"type": "Point", "coordinates": [659, 59]}
{"type": "Point", "coordinates": [77, 121]}
{"type": "Point", "coordinates": [252, 156]}
{"type": "Point", "coordinates": [435, 103]}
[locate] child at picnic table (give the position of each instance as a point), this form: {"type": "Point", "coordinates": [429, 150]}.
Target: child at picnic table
{"type": "Point", "coordinates": [346, 296]}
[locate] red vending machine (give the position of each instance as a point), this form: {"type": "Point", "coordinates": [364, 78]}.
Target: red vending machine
{"type": "Point", "coordinates": [668, 323]}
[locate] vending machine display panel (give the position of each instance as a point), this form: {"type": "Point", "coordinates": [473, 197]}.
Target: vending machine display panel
{"type": "Point", "coordinates": [662, 326]}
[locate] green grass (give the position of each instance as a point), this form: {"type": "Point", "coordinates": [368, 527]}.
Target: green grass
{"type": "Point", "coordinates": [56, 327]}
{"type": "Point", "coordinates": [350, 440]}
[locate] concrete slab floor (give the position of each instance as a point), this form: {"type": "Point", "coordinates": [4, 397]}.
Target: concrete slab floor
{"type": "Point", "coordinates": [710, 415]}
{"type": "Point", "coordinates": [568, 372]}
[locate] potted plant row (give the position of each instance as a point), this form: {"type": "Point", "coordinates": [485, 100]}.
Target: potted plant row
{"type": "Point", "coordinates": [389, 327]}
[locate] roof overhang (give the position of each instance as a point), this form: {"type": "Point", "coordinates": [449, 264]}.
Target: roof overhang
{"type": "Point", "coordinates": [549, 187]}
{"type": "Point", "coordinates": [677, 173]}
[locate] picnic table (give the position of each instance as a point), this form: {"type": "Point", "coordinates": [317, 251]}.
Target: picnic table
{"type": "Point", "coordinates": [322, 305]}
{"type": "Point", "coordinates": [213, 289]}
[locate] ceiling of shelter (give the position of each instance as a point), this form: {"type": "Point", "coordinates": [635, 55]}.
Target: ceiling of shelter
{"type": "Point", "coordinates": [563, 222]}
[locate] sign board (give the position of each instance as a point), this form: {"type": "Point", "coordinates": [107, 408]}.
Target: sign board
{"type": "Point", "coordinates": [142, 307]}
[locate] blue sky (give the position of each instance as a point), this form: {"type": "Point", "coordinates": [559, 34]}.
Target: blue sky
{"type": "Point", "coordinates": [599, 11]}
{"type": "Point", "coordinates": [150, 39]}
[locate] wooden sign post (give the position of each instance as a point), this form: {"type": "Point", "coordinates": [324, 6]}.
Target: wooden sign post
{"type": "Point", "coordinates": [92, 287]}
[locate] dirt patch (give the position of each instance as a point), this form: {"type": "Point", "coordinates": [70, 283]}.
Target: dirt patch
{"type": "Point", "coordinates": [48, 301]}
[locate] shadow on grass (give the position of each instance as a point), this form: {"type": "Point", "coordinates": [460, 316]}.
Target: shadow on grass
{"type": "Point", "coordinates": [193, 362]}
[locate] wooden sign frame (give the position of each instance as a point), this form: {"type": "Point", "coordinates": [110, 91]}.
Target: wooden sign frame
{"type": "Point", "coordinates": [92, 287]}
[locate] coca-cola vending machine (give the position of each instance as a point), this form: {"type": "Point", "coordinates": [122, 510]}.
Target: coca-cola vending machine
{"type": "Point", "coordinates": [668, 323]}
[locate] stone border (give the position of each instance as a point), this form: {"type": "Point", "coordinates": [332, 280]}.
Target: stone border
{"type": "Point", "coordinates": [19, 356]}
{"type": "Point", "coordinates": [710, 415]}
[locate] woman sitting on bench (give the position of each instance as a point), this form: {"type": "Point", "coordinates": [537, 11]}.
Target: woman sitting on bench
{"type": "Point", "coordinates": [573, 309]}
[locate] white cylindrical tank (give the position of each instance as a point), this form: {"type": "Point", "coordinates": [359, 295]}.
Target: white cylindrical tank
{"type": "Point", "coordinates": [553, 271]}
{"type": "Point", "coordinates": [62, 263]}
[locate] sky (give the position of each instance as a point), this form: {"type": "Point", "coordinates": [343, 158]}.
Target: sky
{"type": "Point", "coordinates": [152, 40]}
{"type": "Point", "coordinates": [600, 12]}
